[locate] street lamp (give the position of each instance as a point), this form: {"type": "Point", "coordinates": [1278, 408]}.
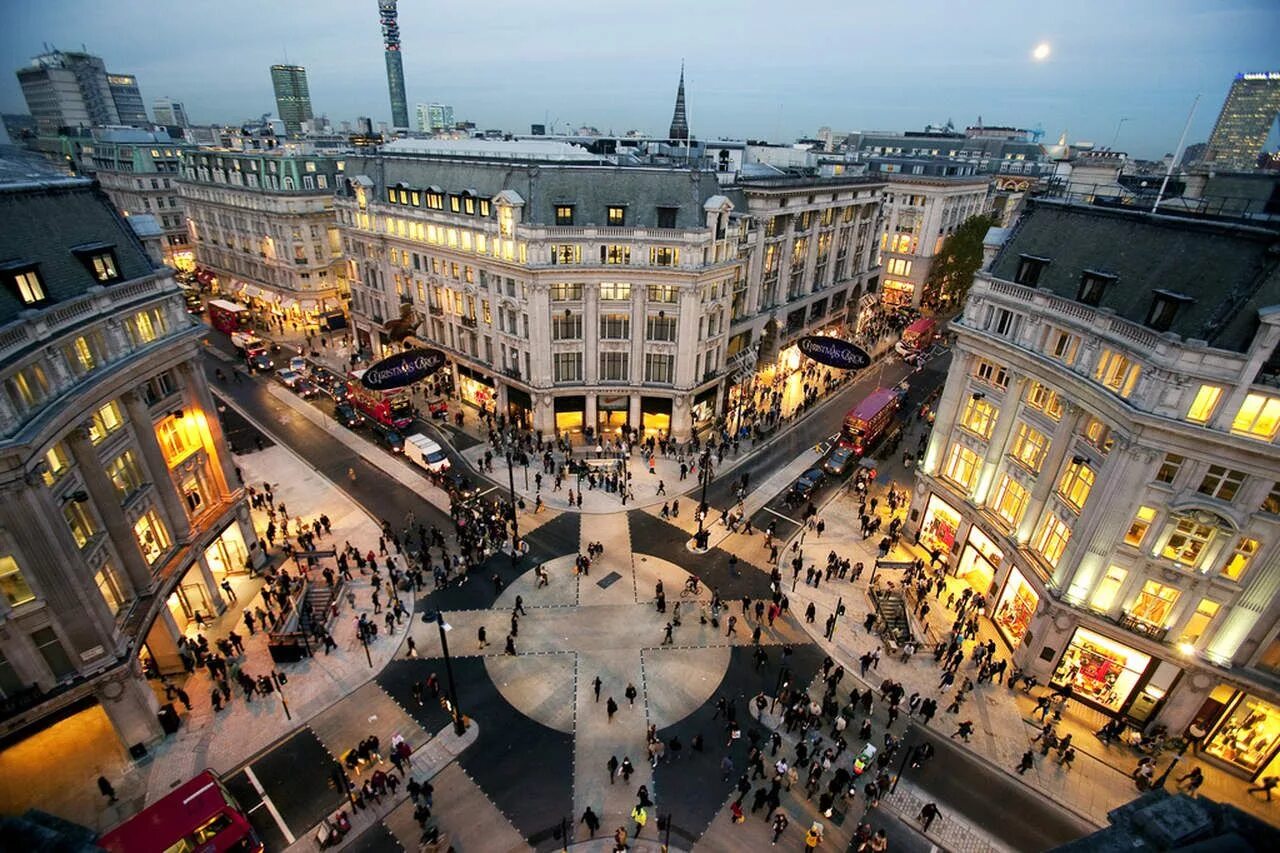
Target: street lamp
{"type": "Point", "coordinates": [459, 727]}
{"type": "Point", "coordinates": [279, 680]}
{"type": "Point", "coordinates": [515, 523]}
{"type": "Point", "coordinates": [1163, 777]}
{"type": "Point", "coordinates": [704, 469]}
{"type": "Point", "coordinates": [782, 674]}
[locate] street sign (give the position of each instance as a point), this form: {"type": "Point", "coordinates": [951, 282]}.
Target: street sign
{"type": "Point", "coordinates": [403, 368]}
{"type": "Point", "coordinates": [834, 352]}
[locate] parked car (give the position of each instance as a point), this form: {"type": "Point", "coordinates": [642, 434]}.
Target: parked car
{"type": "Point", "coordinates": [839, 461]}
{"type": "Point", "coordinates": [261, 362]}
{"type": "Point", "coordinates": [347, 415]}
{"type": "Point", "coordinates": [805, 485]}
{"type": "Point", "coordinates": [389, 438]}
{"type": "Point", "coordinates": [329, 383]}
{"type": "Point", "coordinates": [289, 378]}
{"type": "Point", "coordinates": [305, 388]}
{"type": "Point", "coordinates": [299, 364]}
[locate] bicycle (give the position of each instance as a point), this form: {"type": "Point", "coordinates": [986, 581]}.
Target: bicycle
{"type": "Point", "coordinates": [691, 588]}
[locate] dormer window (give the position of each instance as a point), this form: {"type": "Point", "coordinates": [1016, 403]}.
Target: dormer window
{"type": "Point", "coordinates": [1093, 285]}
{"type": "Point", "coordinates": [24, 280]}
{"type": "Point", "coordinates": [1029, 269]}
{"type": "Point", "coordinates": [667, 217]}
{"type": "Point", "coordinates": [1164, 307]}
{"type": "Point", "coordinates": [564, 214]}
{"type": "Point", "coordinates": [617, 215]}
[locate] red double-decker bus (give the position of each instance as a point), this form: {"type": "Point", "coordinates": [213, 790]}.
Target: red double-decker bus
{"type": "Point", "coordinates": [871, 418]}
{"type": "Point", "coordinates": [199, 816]}
{"type": "Point", "coordinates": [228, 316]}
{"type": "Point", "coordinates": [389, 408]}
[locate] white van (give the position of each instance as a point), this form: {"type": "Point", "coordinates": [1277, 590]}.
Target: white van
{"type": "Point", "coordinates": [425, 452]}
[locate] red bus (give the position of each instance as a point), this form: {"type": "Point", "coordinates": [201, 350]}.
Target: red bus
{"type": "Point", "coordinates": [199, 816]}
{"type": "Point", "coordinates": [917, 337]}
{"type": "Point", "coordinates": [871, 419]}
{"type": "Point", "coordinates": [228, 316]}
{"type": "Point", "coordinates": [389, 408]}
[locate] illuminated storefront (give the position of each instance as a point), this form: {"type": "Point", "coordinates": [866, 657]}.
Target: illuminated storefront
{"type": "Point", "coordinates": [1247, 734]}
{"type": "Point", "coordinates": [226, 555]}
{"type": "Point", "coordinates": [475, 388]}
{"type": "Point", "coordinates": [1100, 670]}
{"type": "Point", "coordinates": [1015, 608]}
{"type": "Point", "coordinates": [941, 521]}
{"type": "Point", "coordinates": [570, 413]}
{"type": "Point", "coordinates": [704, 408]}
{"type": "Point", "coordinates": [979, 561]}
{"type": "Point", "coordinates": [655, 415]}
{"type": "Point", "coordinates": [612, 413]}
{"type": "Point", "coordinates": [897, 293]}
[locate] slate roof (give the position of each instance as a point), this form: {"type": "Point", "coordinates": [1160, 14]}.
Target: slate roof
{"type": "Point", "coordinates": [42, 220]}
{"type": "Point", "coordinates": [591, 189]}
{"type": "Point", "coordinates": [1230, 271]}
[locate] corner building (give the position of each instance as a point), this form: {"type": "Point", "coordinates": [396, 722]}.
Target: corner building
{"type": "Point", "coordinates": [121, 509]}
{"type": "Point", "coordinates": [1103, 466]}
{"type": "Point", "coordinates": [577, 296]}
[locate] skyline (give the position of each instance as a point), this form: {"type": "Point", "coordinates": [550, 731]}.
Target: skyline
{"type": "Point", "coordinates": [1145, 67]}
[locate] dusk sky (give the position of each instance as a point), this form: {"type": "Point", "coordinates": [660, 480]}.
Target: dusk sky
{"type": "Point", "coordinates": [754, 69]}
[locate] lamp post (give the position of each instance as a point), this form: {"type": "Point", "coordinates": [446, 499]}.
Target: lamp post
{"type": "Point", "coordinates": [1163, 777]}
{"type": "Point", "coordinates": [279, 681]}
{"type": "Point", "coordinates": [515, 523]}
{"type": "Point", "coordinates": [908, 749]}
{"type": "Point", "coordinates": [704, 472]}
{"type": "Point", "coordinates": [364, 641]}
{"type": "Point", "coordinates": [459, 727]}
{"type": "Point", "coordinates": [782, 674]}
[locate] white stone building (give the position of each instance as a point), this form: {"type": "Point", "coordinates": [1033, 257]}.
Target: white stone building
{"type": "Point", "coordinates": [1104, 466]}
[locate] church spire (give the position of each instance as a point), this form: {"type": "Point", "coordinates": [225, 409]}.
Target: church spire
{"type": "Point", "coordinates": [679, 123]}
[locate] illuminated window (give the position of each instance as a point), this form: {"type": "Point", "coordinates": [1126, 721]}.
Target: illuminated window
{"type": "Point", "coordinates": [1044, 399]}
{"type": "Point", "coordinates": [469, 206]}
{"type": "Point", "coordinates": [484, 207]}
{"type": "Point", "coordinates": [1169, 468]}
{"type": "Point", "coordinates": [962, 466]}
{"type": "Point", "coordinates": [80, 522]}
{"type": "Point", "coordinates": [57, 463]}
{"type": "Point", "coordinates": [615, 291]}
{"type": "Point", "coordinates": [153, 539]}
{"type": "Point", "coordinates": [103, 266]}
{"type": "Point", "coordinates": [125, 474]}
{"type": "Point", "coordinates": [1010, 501]}
{"type": "Point", "coordinates": [898, 266]}
{"type": "Point", "coordinates": [109, 588]}
{"type": "Point", "coordinates": [1239, 560]}
{"type": "Point", "coordinates": [27, 388]}
{"type": "Point", "coordinates": [665, 293]}
{"type": "Point", "coordinates": [105, 421]}
{"type": "Point", "coordinates": [1259, 416]}
{"type": "Point", "coordinates": [617, 215]}
{"type": "Point", "coordinates": [566, 254]}
{"type": "Point", "coordinates": [1221, 482]}
{"type": "Point", "coordinates": [1199, 621]}
{"type": "Point", "coordinates": [1098, 434]}
{"type": "Point", "coordinates": [13, 584]}
{"type": "Point", "coordinates": [991, 373]}
{"type": "Point", "coordinates": [1077, 481]}
{"type": "Point", "coordinates": [455, 204]}
{"type": "Point", "coordinates": [1029, 446]}
{"type": "Point", "coordinates": [1052, 538]}
{"type": "Point", "coordinates": [435, 200]}
{"type": "Point", "coordinates": [179, 437]}
{"type": "Point", "coordinates": [1271, 503]}
{"type": "Point", "coordinates": [1104, 596]}
{"type": "Point", "coordinates": [1139, 526]}
{"type": "Point", "coordinates": [662, 256]}
{"type": "Point", "coordinates": [615, 254]}
{"type": "Point", "coordinates": [1203, 405]}
{"type": "Point", "coordinates": [1062, 346]}
{"type": "Point", "coordinates": [979, 417]}
{"type": "Point", "coordinates": [563, 291]}
{"type": "Point", "coordinates": [82, 353]}
{"type": "Point", "coordinates": [564, 214]}
{"type": "Point", "coordinates": [1154, 603]}
{"type": "Point", "coordinates": [1188, 542]}
{"type": "Point", "coordinates": [1117, 372]}
{"type": "Point", "coordinates": [145, 326]}
{"type": "Point", "coordinates": [27, 284]}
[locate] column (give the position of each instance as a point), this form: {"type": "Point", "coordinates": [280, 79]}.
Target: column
{"type": "Point", "coordinates": [1005, 420]}
{"type": "Point", "coordinates": [589, 415]}
{"type": "Point", "coordinates": [105, 499]}
{"type": "Point", "coordinates": [1059, 445]}
{"type": "Point", "coordinates": [223, 467]}
{"type": "Point", "coordinates": [153, 458]}
{"type": "Point", "coordinates": [131, 706]}
{"type": "Point", "coordinates": [211, 584]}
{"type": "Point", "coordinates": [633, 414]}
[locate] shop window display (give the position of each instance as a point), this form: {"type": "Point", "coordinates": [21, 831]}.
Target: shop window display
{"type": "Point", "coordinates": [1099, 669]}
{"type": "Point", "coordinates": [941, 521]}
{"type": "Point", "coordinates": [1015, 608]}
{"type": "Point", "coordinates": [1247, 736]}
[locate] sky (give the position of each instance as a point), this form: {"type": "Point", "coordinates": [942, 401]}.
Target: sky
{"type": "Point", "coordinates": [1120, 71]}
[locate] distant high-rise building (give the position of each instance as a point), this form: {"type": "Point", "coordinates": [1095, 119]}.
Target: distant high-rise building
{"type": "Point", "coordinates": [679, 122]}
{"type": "Point", "coordinates": [170, 113]}
{"type": "Point", "coordinates": [433, 118]}
{"type": "Point", "coordinates": [1245, 121]}
{"type": "Point", "coordinates": [71, 89]}
{"type": "Point", "coordinates": [293, 98]}
{"type": "Point", "coordinates": [364, 125]}
{"type": "Point", "coordinates": [537, 130]}
{"type": "Point", "coordinates": [128, 100]}
{"type": "Point", "coordinates": [395, 65]}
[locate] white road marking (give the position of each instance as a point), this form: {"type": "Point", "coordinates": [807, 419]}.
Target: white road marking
{"type": "Point", "coordinates": [271, 807]}
{"type": "Point", "coordinates": [784, 517]}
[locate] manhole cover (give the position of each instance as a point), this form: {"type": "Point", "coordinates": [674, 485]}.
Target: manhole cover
{"type": "Point", "coordinates": [608, 580]}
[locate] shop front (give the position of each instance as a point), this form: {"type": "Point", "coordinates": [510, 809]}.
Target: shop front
{"type": "Point", "coordinates": [897, 294]}
{"type": "Point", "coordinates": [1102, 672]}
{"type": "Point", "coordinates": [571, 412]}
{"type": "Point", "coordinates": [1015, 607]}
{"type": "Point", "coordinates": [704, 408]}
{"type": "Point", "coordinates": [938, 530]}
{"type": "Point", "coordinates": [227, 555]}
{"type": "Point", "coordinates": [612, 413]}
{"type": "Point", "coordinates": [655, 416]}
{"type": "Point", "coordinates": [1246, 734]}
{"type": "Point", "coordinates": [475, 388]}
{"type": "Point", "coordinates": [979, 561]}
{"type": "Point", "coordinates": [519, 407]}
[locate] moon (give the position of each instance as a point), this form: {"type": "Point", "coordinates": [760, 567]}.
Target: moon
{"type": "Point", "coordinates": [1041, 52]}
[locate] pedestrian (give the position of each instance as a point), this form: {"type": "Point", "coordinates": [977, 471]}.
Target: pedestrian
{"type": "Point", "coordinates": [613, 767]}
{"type": "Point", "coordinates": [780, 823]}
{"type": "Point", "coordinates": [592, 822]}
{"type": "Point", "coordinates": [107, 790]}
{"type": "Point", "coordinates": [597, 684]}
{"type": "Point", "coordinates": [1192, 781]}
{"type": "Point", "coordinates": [1268, 783]}
{"type": "Point", "coordinates": [640, 816]}
{"type": "Point", "coordinates": [611, 707]}
{"type": "Point", "coordinates": [630, 693]}
{"type": "Point", "coordinates": [1028, 761]}
{"type": "Point", "coordinates": [929, 814]}
{"type": "Point", "coordinates": [965, 729]}
{"type": "Point", "coordinates": [627, 769]}
{"type": "Point", "coordinates": [480, 635]}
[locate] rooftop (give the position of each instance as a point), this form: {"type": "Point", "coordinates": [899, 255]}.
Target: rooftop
{"type": "Point", "coordinates": [1225, 271]}
{"type": "Point", "coordinates": [23, 169]}
{"type": "Point", "coordinates": [134, 135]}
{"type": "Point", "coordinates": [522, 149]}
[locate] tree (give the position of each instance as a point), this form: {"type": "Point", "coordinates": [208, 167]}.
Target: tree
{"type": "Point", "coordinates": [954, 265]}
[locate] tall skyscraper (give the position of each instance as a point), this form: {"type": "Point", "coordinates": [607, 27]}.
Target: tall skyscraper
{"type": "Point", "coordinates": [395, 65]}
{"type": "Point", "coordinates": [293, 98]}
{"type": "Point", "coordinates": [1245, 121]}
{"type": "Point", "coordinates": [679, 122]}
{"type": "Point", "coordinates": [170, 113]}
{"type": "Point", "coordinates": [71, 89]}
